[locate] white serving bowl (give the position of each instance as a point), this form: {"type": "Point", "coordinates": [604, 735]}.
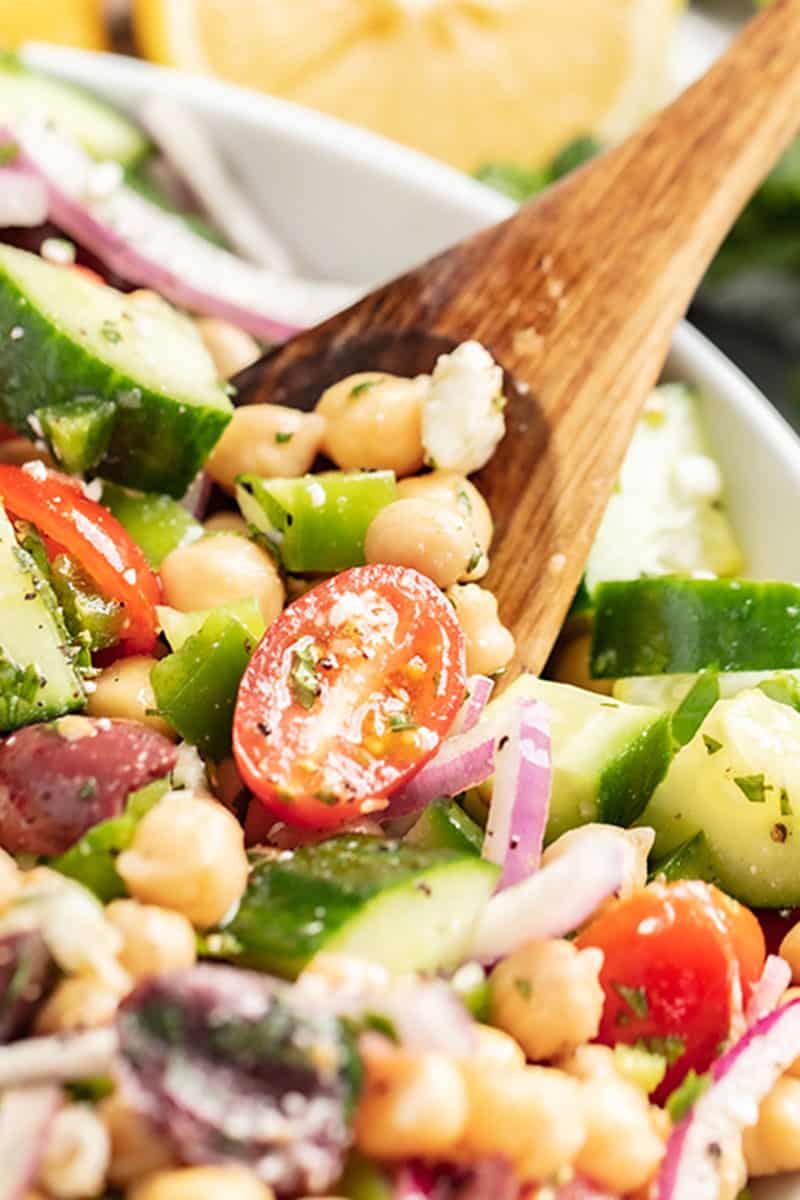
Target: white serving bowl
{"type": "Point", "coordinates": [356, 207]}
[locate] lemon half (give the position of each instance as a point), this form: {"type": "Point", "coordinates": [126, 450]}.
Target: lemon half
{"type": "Point", "coordinates": [465, 80]}
{"type": "Point", "coordinates": [66, 22]}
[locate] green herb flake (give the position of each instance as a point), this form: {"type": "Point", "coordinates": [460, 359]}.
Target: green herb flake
{"type": "Point", "coordinates": [283, 438]}
{"type": "Point", "coordinates": [362, 387]}
{"type": "Point", "coordinates": [635, 998]}
{"type": "Point", "coordinates": [753, 787]}
{"type": "Point", "coordinates": [711, 744]}
{"type": "Point", "coordinates": [87, 789]}
{"type": "Point", "coordinates": [8, 152]}
{"type": "Point", "coordinates": [303, 677]}
{"type": "Point", "coordinates": [377, 1023]}
{"type": "Point", "coordinates": [670, 1047]}
{"type": "Point", "coordinates": [523, 987]}
{"type": "Point", "coordinates": [110, 332]}
{"type": "Point", "coordinates": [398, 722]}
{"type": "Point", "coordinates": [786, 804]}
{"type": "Point", "coordinates": [686, 1096]}
{"type": "Point", "coordinates": [695, 707]}
{"type": "Point", "coordinates": [477, 555]}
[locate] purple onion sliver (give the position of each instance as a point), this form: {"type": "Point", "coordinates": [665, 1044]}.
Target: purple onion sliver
{"type": "Point", "coordinates": [741, 1079]}
{"type": "Point", "coordinates": [26, 1115]}
{"type": "Point", "coordinates": [197, 497]}
{"type": "Point", "coordinates": [479, 689]}
{"type": "Point", "coordinates": [463, 761]}
{"type": "Point", "coordinates": [521, 794]}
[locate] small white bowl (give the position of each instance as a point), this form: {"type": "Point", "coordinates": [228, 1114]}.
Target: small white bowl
{"type": "Point", "coordinates": [357, 207]}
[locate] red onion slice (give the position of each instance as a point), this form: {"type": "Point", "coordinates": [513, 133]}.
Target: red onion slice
{"type": "Point", "coordinates": [555, 901]}
{"type": "Point", "coordinates": [26, 1115]}
{"type": "Point", "coordinates": [741, 1080]}
{"type": "Point", "coordinates": [521, 794]}
{"type": "Point", "coordinates": [463, 761]}
{"type": "Point", "coordinates": [58, 1057]}
{"type": "Point", "coordinates": [187, 147]}
{"type": "Point", "coordinates": [766, 995]}
{"type": "Point", "coordinates": [149, 247]}
{"type": "Point", "coordinates": [198, 495]}
{"type": "Point", "coordinates": [479, 689]}
{"type": "Point", "coordinates": [23, 199]}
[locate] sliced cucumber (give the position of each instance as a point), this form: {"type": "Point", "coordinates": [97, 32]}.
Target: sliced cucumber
{"type": "Point", "coordinates": [673, 626]}
{"type": "Point", "coordinates": [317, 523]}
{"type": "Point", "coordinates": [738, 783]}
{"type": "Point", "coordinates": [668, 691]}
{"type": "Point", "coordinates": [445, 825]}
{"type": "Point", "coordinates": [690, 860]}
{"type": "Point", "coordinates": [64, 338]}
{"type": "Point", "coordinates": [608, 757]}
{"type": "Point", "coordinates": [178, 626]}
{"type": "Point", "coordinates": [38, 680]}
{"type": "Point", "coordinates": [158, 524]}
{"type": "Point", "coordinates": [101, 130]}
{"type": "Point", "coordinates": [665, 515]}
{"type": "Point", "coordinates": [392, 903]}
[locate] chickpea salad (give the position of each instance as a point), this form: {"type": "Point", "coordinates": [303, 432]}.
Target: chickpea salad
{"type": "Point", "coordinates": [300, 896]}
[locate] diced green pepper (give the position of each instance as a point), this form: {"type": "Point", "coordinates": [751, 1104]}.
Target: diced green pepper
{"type": "Point", "coordinates": [158, 524]}
{"type": "Point", "coordinates": [178, 626]}
{"type": "Point", "coordinates": [91, 860]}
{"type": "Point", "coordinates": [195, 688]}
{"type": "Point", "coordinates": [316, 523]}
{"type": "Point", "coordinates": [78, 431]}
{"type": "Point", "coordinates": [364, 1180]}
{"type": "Point", "coordinates": [90, 617]}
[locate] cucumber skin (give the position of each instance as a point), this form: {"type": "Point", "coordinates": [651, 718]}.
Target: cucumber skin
{"type": "Point", "coordinates": [156, 444]}
{"type": "Point", "coordinates": [627, 784]}
{"type": "Point", "coordinates": [691, 860]}
{"type": "Point", "coordinates": [295, 906]}
{"type": "Point", "coordinates": [672, 625]}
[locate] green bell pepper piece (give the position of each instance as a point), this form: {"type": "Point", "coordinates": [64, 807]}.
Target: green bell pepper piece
{"type": "Point", "coordinates": [178, 626]}
{"type": "Point", "coordinates": [316, 523]}
{"type": "Point", "coordinates": [89, 617]}
{"type": "Point", "coordinates": [158, 524]}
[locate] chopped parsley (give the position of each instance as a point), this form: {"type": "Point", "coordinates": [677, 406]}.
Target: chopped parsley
{"type": "Point", "coordinates": [362, 387]}
{"type": "Point", "coordinates": [670, 1047]}
{"type": "Point", "coordinates": [283, 438]}
{"type": "Point", "coordinates": [711, 744]}
{"type": "Point", "coordinates": [635, 998]}
{"type": "Point", "coordinates": [686, 1096]}
{"type": "Point", "coordinates": [477, 555]}
{"type": "Point", "coordinates": [523, 987]}
{"type": "Point", "coordinates": [753, 787]}
{"type": "Point", "coordinates": [110, 332]}
{"type": "Point", "coordinates": [398, 722]}
{"type": "Point", "coordinates": [303, 677]}
{"type": "Point", "coordinates": [786, 804]}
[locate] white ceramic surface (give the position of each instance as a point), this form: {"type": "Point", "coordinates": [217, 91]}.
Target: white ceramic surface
{"type": "Point", "coordinates": [357, 207]}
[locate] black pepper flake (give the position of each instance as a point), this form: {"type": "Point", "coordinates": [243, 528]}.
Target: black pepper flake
{"type": "Point", "coordinates": [247, 487]}
{"type": "Point", "coordinates": [425, 888]}
{"type": "Point", "coordinates": [514, 842]}
{"type": "Point", "coordinates": [779, 832]}
{"type": "Point", "coordinates": [30, 596]}
{"type": "Point", "coordinates": [264, 729]}
{"type": "Point", "coordinates": [714, 1150]}
{"type": "Point", "coordinates": [289, 519]}
{"type": "Point", "coordinates": [501, 745]}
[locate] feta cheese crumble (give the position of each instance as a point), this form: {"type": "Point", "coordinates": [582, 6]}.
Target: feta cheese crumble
{"type": "Point", "coordinates": [462, 414]}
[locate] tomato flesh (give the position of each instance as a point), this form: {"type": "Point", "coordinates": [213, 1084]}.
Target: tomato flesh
{"type": "Point", "coordinates": [348, 695]}
{"type": "Point", "coordinates": [674, 958]}
{"type": "Point", "coordinates": [69, 521]}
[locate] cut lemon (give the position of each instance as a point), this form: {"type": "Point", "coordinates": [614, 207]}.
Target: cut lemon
{"type": "Point", "coordinates": [465, 80]}
{"type": "Point", "coordinates": [67, 22]}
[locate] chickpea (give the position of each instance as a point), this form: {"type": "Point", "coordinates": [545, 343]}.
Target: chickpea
{"type": "Point", "coordinates": [77, 1002]}
{"type": "Point", "coordinates": [496, 1050]}
{"type": "Point", "coordinates": [231, 348]}
{"type": "Point", "coordinates": [226, 522]}
{"type": "Point", "coordinates": [375, 420]}
{"type": "Point", "coordinates": [267, 440]}
{"type": "Point", "coordinates": [548, 996]}
{"type": "Point", "coordinates": [622, 1150]}
{"type": "Point", "coordinates": [413, 1105]}
{"type": "Point", "coordinates": [188, 855]}
{"type": "Point", "coordinates": [20, 450]}
{"type": "Point", "coordinates": [570, 664]}
{"type": "Point", "coordinates": [530, 1115]}
{"type": "Point", "coordinates": [201, 1183]}
{"type": "Point", "coordinates": [591, 1062]}
{"type": "Point", "coordinates": [490, 646]}
{"type": "Point", "coordinates": [790, 950]}
{"type": "Point", "coordinates": [421, 534]}
{"type": "Point", "coordinates": [153, 939]}
{"type": "Point", "coordinates": [219, 569]}
{"type": "Point", "coordinates": [456, 491]}
{"type": "Point", "coordinates": [137, 1148]}
{"type": "Point", "coordinates": [772, 1145]}
{"type": "Point", "coordinates": [124, 690]}
{"type": "Point", "coordinates": [77, 1154]}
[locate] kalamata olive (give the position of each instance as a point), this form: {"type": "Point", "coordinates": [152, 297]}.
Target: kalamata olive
{"type": "Point", "coordinates": [232, 1071]}
{"type": "Point", "coordinates": [27, 972]}
{"type": "Point", "coordinates": [489, 1179]}
{"type": "Point", "coordinates": [60, 779]}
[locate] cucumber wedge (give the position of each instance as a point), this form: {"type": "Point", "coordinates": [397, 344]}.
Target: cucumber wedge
{"type": "Point", "coordinates": [37, 678]}
{"type": "Point", "coordinates": [64, 339]}
{"type": "Point", "coordinates": [101, 130]}
{"type": "Point", "coordinates": [608, 757]}
{"type": "Point", "coordinates": [665, 515]}
{"type": "Point", "coordinates": [737, 782]}
{"type": "Point", "coordinates": [674, 626]}
{"type": "Point", "coordinates": [392, 903]}
{"type": "Point", "coordinates": [668, 691]}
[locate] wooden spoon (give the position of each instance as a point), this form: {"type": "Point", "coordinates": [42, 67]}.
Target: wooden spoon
{"type": "Point", "coordinates": [577, 296]}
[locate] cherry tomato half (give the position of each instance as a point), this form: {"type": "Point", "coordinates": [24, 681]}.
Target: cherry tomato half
{"type": "Point", "coordinates": [348, 694]}
{"type": "Point", "coordinates": [69, 521]}
{"type": "Point", "coordinates": [674, 956]}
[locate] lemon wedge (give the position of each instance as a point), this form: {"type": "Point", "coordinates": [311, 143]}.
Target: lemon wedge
{"type": "Point", "coordinates": [465, 80]}
{"type": "Point", "coordinates": [66, 22]}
